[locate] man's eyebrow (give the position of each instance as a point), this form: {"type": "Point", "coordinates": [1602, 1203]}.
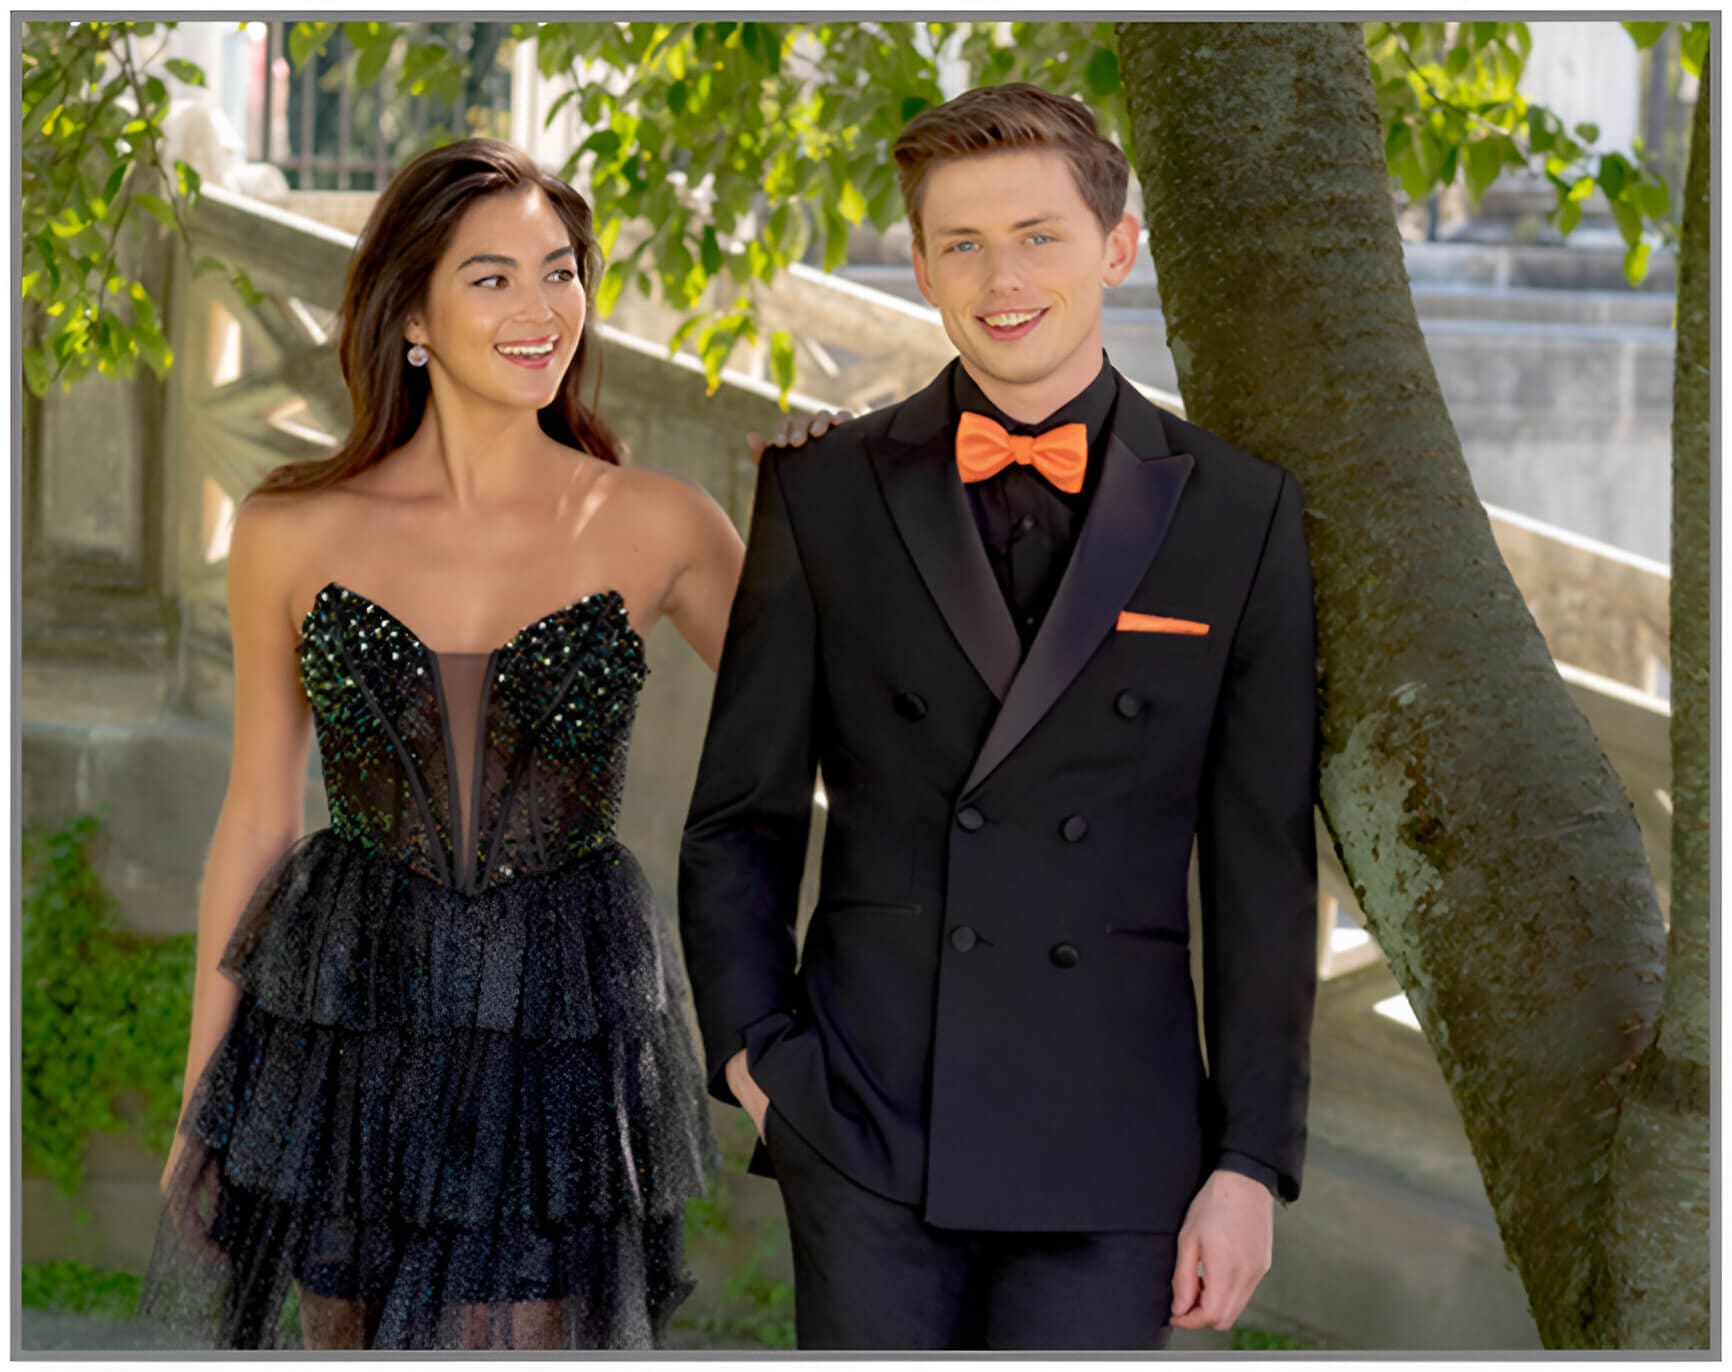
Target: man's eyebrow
{"type": "Point", "coordinates": [502, 260]}
{"type": "Point", "coordinates": [1014, 228]}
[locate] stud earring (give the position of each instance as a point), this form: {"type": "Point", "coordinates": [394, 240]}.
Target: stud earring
{"type": "Point", "coordinates": [418, 356]}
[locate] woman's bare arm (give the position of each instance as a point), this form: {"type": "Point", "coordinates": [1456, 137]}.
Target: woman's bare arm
{"type": "Point", "coordinates": [707, 552]}
{"type": "Point", "coordinates": [263, 806]}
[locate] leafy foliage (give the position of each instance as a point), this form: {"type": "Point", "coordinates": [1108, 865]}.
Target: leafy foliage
{"type": "Point", "coordinates": [1449, 96]}
{"type": "Point", "coordinates": [104, 1012]}
{"type": "Point", "coordinates": [77, 1288]}
{"type": "Point", "coordinates": [733, 149]}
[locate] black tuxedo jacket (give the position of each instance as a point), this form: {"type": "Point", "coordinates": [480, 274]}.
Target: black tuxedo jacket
{"type": "Point", "coordinates": [993, 1015]}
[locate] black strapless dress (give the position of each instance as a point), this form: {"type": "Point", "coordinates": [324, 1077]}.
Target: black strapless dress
{"type": "Point", "coordinates": [458, 1104]}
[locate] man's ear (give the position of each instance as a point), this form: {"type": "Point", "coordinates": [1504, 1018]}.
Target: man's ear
{"type": "Point", "coordinates": [921, 279]}
{"type": "Point", "coordinates": [1121, 249]}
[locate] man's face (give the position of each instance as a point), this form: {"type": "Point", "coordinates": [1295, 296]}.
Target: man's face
{"type": "Point", "coordinates": [504, 307]}
{"type": "Point", "coordinates": [1015, 262]}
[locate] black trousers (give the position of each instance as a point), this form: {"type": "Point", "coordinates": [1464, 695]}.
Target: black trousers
{"type": "Point", "coordinates": [869, 1273]}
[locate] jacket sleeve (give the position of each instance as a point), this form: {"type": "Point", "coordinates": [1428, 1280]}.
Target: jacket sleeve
{"type": "Point", "coordinates": [1257, 854]}
{"type": "Point", "coordinates": [744, 846]}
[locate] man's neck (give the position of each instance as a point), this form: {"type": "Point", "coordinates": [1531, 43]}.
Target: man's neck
{"type": "Point", "coordinates": [1032, 402]}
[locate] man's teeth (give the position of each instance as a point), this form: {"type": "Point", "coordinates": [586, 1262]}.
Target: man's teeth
{"type": "Point", "coordinates": [1010, 321]}
{"type": "Point", "coordinates": [538, 350]}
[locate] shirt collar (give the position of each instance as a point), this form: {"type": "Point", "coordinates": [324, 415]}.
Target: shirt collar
{"type": "Point", "coordinates": [1092, 406]}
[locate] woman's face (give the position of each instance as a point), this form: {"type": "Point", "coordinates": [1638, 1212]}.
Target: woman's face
{"type": "Point", "coordinates": [504, 307]}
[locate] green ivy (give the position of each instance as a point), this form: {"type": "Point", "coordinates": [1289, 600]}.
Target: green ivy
{"type": "Point", "coordinates": [77, 1288]}
{"type": "Point", "coordinates": [105, 1012]}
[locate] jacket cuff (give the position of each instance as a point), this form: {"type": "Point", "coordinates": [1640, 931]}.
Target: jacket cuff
{"type": "Point", "coordinates": [1247, 1166]}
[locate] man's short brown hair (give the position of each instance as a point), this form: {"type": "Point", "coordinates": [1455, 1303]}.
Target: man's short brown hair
{"type": "Point", "coordinates": [997, 118]}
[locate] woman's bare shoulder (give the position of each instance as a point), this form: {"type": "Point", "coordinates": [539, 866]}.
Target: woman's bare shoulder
{"type": "Point", "coordinates": [285, 543]}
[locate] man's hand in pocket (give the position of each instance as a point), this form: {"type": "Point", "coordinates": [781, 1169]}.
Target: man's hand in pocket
{"type": "Point", "coordinates": [746, 1091]}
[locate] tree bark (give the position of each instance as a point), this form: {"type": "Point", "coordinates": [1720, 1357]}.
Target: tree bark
{"type": "Point", "coordinates": [1657, 1281]}
{"type": "Point", "coordinates": [1492, 848]}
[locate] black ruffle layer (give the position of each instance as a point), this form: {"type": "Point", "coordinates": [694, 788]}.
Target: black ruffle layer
{"type": "Point", "coordinates": [441, 1107]}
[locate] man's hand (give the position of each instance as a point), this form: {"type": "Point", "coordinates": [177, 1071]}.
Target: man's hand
{"type": "Point", "coordinates": [1230, 1230]}
{"type": "Point", "coordinates": [793, 432]}
{"type": "Point", "coordinates": [746, 1091]}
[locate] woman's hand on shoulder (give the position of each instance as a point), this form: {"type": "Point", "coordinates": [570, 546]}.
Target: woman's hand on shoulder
{"type": "Point", "coordinates": [704, 551]}
{"type": "Point", "coordinates": [796, 429]}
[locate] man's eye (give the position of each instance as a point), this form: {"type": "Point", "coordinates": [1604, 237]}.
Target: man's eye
{"type": "Point", "coordinates": [1041, 237]}
{"type": "Point", "coordinates": [958, 247]}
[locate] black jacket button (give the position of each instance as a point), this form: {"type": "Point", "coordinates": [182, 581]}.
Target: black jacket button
{"type": "Point", "coordinates": [1129, 704]}
{"type": "Point", "coordinates": [971, 820]}
{"type": "Point", "coordinates": [910, 706]}
{"type": "Point", "coordinates": [1064, 955]}
{"type": "Point", "coordinates": [1075, 829]}
{"type": "Point", "coordinates": [962, 938]}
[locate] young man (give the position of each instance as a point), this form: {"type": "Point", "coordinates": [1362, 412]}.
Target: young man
{"type": "Point", "coordinates": [1039, 634]}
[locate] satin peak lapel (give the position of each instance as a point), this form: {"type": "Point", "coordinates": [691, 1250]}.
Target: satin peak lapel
{"type": "Point", "coordinates": [916, 467]}
{"type": "Point", "coordinates": [1127, 521]}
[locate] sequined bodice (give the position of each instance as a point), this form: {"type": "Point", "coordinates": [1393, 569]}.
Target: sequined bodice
{"type": "Point", "coordinates": [473, 769]}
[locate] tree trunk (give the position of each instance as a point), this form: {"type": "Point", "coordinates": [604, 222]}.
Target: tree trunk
{"type": "Point", "coordinates": [1492, 847]}
{"type": "Point", "coordinates": [1658, 1274]}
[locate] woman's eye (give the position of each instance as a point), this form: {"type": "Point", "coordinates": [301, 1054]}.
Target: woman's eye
{"type": "Point", "coordinates": [484, 280]}
{"type": "Point", "coordinates": [566, 274]}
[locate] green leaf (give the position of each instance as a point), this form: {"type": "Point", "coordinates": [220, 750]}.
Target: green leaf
{"type": "Point", "coordinates": [1540, 137]}
{"type": "Point", "coordinates": [782, 363]}
{"type": "Point", "coordinates": [307, 39]}
{"type": "Point", "coordinates": [182, 70]}
{"type": "Point", "coordinates": [835, 239]}
{"type": "Point", "coordinates": [1485, 159]}
{"type": "Point", "coordinates": [38, 371]}
{"type": "Point", "coordinates": [1613, 175]}
{"type": "Point", "coordinates": [677, 95]}
{"type": "Point", "coordinates": [1651, 198]}
{"type": "Point", "coordinates": [612, 283]}
{"type": "Point", "coordinates": [156, 206]}
{"type": "Point", "coordinates": [112, 186]}
{"type": "Point", "coordinates": [206, 265]}
{"type": "Point", "coordinates": [244, 284]}
{"type": "Point", "coordinates": [851, 204]}
{"type": "Point", "coordinates": [681, 334]}
{"type": "Point", "coordinates": [710, 251]}
{"type": "Point", "coordinates": [912, 105]}
{"type": "Point", "coordinates": [1629, 221]}
{"type": "Point", "coordinates": [1636, 262]}
{"type": "Point", "coordinates": [1456, 63]}
{"type": "Point", "coordinates": [369, 35]}
{"type": "Point", "coordinates": [1581, 188]}
{"type": "Point", "coordinates": [1646, 35]}
{"type": "Point", "coordinates": [186, 178]}
{"type": "Point", "coordinates": [1694, 49]}
{"type": "Point", "coordinates": [603, 142]}
{"type": "Point", "coordinates": [370, 62]}
{"type": "Point", "coordinates": [1101, 76]}
{"type": "Point", "coordinates": [1588, 133]}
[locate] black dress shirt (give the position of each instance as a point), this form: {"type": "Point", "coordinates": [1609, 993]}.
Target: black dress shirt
{"type": "Point", "coordinates": [1030, 528]}
{"type": "Point", "coordinates": [1028, 525]}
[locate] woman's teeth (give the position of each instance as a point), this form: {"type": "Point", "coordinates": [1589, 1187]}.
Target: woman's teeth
{"type": "Point", "coordinates": [537, 350]}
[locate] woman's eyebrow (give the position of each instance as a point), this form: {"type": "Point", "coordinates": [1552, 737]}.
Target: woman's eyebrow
{"type": "Point", "coordinates": [502, 260]}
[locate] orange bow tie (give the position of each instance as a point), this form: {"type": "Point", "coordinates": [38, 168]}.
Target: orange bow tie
{"type": "Point", "coordinates": [984, 449]}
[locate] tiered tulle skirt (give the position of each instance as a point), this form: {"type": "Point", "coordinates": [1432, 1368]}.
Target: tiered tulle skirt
{"type": "Point", "coordinates": [452, 1121]}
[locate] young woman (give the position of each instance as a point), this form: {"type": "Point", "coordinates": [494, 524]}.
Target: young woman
{"type": "Point", "coordinates": [438, 1075]}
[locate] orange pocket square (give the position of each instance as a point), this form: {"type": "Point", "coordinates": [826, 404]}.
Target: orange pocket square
{"type": "Point", "coordinates": [1132, 622]}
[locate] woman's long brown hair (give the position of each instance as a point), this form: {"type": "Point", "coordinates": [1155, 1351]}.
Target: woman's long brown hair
{"type": "Point", "coordinates": [408, 230]}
